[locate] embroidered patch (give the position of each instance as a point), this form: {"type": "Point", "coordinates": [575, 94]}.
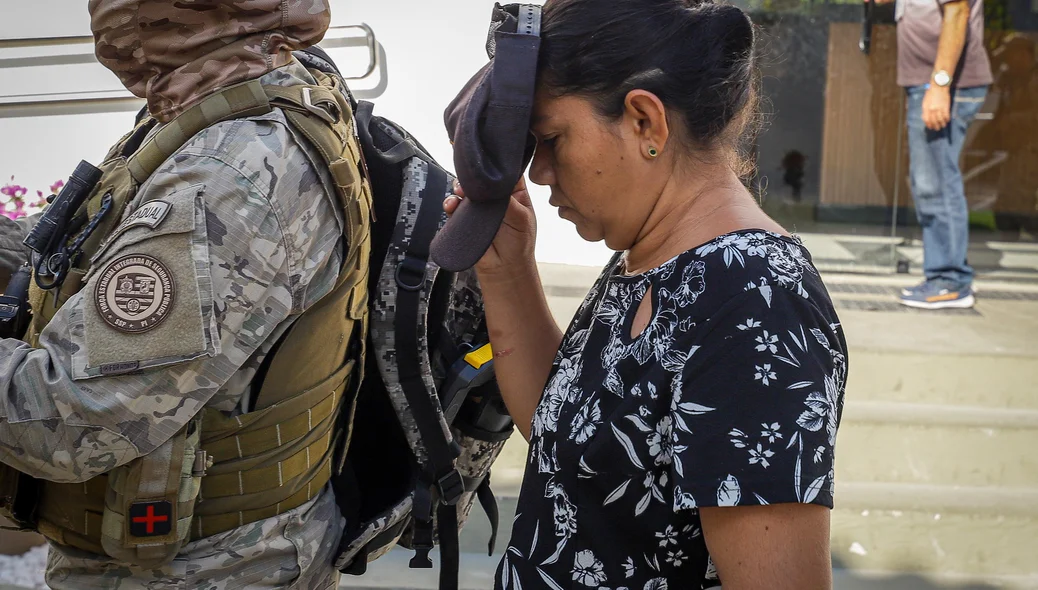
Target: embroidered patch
{"type": "Point", "coordinates": [151, 519]}
{"type": "Point", "coordinates": [150, 214]}
{"type": "Point", "coordinates": [134, 293]}
{"type": "Point", "coordinates": [119, 368]}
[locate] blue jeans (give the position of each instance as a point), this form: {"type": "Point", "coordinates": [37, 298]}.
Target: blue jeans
{"type": "Point", "coordinates": [940, 199]}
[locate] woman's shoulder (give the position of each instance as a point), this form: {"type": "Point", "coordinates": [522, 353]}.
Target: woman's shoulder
{"type": "Point", "coordinates": [743, 260]}
{"type": "Point", "coordinates": [720, 273]}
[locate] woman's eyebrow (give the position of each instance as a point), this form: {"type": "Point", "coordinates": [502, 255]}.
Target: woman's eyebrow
{"type": "Point", "coordinates": [540, 119]}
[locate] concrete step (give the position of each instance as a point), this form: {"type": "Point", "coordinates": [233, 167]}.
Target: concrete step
{"type": "Point", "coordinates": [937, 444]}
{"type": "Point", "coordinates": [981, 546]}
{"type": "Point", "coordinates": [983, 380]}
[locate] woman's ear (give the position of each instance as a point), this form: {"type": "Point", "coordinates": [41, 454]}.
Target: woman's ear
{"type": "Point", "coordinates": [647, 117]}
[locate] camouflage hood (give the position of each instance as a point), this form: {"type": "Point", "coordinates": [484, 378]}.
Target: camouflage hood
{"type": "Point", "coordinates": [174, 53]}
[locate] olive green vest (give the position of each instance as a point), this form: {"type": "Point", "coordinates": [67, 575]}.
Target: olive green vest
{"type": "Point", "coordinates": [222, 472]}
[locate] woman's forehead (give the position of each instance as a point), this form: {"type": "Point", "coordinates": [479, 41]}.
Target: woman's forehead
{"type": "Point", "coordinates": [549, 109]}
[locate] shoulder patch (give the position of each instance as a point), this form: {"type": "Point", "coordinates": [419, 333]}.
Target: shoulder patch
{"type": "Point", "coordinates": [134, 293]}
{"type": "Point", "coordinates": [150, 214]}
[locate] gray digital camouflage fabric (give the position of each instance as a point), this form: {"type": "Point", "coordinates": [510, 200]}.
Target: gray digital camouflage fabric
{"type": "Point", "coordinates": [176, 53]}
{"type": "Point", "coordinates": [262, 233]}
{"type": "Point", "coordinates": [12, 252]}
{"type": "Point", "coordinates": [383, 308]}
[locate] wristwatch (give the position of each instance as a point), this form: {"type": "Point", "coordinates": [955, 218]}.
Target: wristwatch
{"type": "Point", "coordinates": [942, 78]}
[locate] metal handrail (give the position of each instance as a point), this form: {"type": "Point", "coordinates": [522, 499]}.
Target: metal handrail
{"type": "Point", "coordinates": [370, 41]}
{"type": "Point", "coordinates": [117, 99]}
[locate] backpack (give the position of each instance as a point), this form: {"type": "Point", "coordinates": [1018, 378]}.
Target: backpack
{"type": "Point", "coordinates": [429, 420]}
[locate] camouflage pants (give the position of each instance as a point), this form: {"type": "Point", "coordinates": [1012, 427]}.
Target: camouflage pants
{"type": "Point", "coordinates": [294, 550]}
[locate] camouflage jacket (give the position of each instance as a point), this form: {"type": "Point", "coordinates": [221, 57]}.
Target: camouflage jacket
{"type": "Point", "coordinates": [262, 235]}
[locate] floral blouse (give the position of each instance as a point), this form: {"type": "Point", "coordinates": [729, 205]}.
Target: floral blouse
{"type": "Point", "coordinates": [730, 397]}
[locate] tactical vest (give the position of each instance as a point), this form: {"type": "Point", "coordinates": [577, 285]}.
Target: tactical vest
{"type": "Point", "coordinates": [222, 472]}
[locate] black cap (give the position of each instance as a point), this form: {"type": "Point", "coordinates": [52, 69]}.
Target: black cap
{"type": "Point", "coordinates": [489, 125]}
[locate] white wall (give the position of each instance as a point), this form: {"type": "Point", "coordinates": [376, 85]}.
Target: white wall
{"type": "Point", "coordinates": [432, 49]}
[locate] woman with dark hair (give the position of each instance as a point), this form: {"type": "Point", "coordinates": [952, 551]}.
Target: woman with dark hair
{"type": "Point", "coordinates": [682, 429]}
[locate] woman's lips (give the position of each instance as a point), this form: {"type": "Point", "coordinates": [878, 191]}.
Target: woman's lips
{"type": "Point", "coordinates": [562, 209]}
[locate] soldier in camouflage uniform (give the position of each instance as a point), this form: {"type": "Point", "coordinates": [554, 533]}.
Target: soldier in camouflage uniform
{"type": "Point", "coordinates": [264, 247]}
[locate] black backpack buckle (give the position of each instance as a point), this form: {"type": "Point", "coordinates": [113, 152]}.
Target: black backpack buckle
{"type": "Point", "coordinates": [422, 543]}
{"type": "Point", "coordinates": [451, 487]}
{"type": "Point", "coordinates": [410, 273]}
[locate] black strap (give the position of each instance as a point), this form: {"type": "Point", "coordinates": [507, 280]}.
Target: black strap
{"type": "Point", "coordinates": [489, 503]}
{"type": "Point", "coordinates": [450, 554]}
{"type": "Point", "coordinates": [410, 280]}
{"type": "Point", "coordinates": [439, 469]}
{"type": "Point", "coordinates": [422, 531]}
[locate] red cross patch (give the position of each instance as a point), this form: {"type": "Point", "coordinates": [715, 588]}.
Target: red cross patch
{"type": "Point", "coordinates": [151, 519]}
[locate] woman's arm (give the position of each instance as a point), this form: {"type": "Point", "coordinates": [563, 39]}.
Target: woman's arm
{"type": "Point", "coordinates": [525, 339]}
{"type": "Point", "coordinates": [523, 332]}
{"type": "Point", "coordinates": [769, 547]}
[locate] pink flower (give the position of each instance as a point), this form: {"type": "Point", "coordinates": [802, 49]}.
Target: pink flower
{"type": "Point", "coordinates": [15, 213]}
{"type": "Point", "coordinates": [17, 204]}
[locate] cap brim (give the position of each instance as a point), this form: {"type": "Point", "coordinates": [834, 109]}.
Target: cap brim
{"type": "Point", "coordinates": [467, 235]}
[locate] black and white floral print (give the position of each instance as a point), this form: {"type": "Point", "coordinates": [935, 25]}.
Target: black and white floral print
{"type": "Point", "coordinates": [731, 396]}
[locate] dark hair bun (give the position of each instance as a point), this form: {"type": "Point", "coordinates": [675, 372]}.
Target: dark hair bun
{"type": "Point", "coordinates": [695, 55]}
{"type": "Point", "coordinates": [724, 36]}
{"type": "Point", "coordinates": [732, 25]}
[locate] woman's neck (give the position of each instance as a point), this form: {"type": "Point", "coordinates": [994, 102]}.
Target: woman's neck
{"type": "Point", "coordinates": [693, 211]}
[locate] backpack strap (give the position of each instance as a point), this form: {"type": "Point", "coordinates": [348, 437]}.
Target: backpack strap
{"type": "Point", "coordinates": [241, 100]}
{"type": "Point", "coordinates": [439, 482]}
{"type": "Point", "coordinates": [450, 549]}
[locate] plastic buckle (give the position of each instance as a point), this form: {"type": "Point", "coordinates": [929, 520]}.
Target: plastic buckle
{"type": "Point", "coordinates": [410, 274]}
{"type": "Point", "coordinates": [451, 487]}
{"type": "Point", "coordinates": [323, 113]}
{"type": "Point", "coordinates": [422, 542]}
{"type": "Point", "coordinates": [421, 557]}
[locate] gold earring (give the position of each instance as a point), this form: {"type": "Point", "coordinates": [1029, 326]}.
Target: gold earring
{"type": "Point", "coordinates": [653, 152]}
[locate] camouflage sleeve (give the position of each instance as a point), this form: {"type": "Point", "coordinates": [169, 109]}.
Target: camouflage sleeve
{"type": "Point", "coordinates": [12, 252]}
{"type": "Point", "coordinates": [172, 309]}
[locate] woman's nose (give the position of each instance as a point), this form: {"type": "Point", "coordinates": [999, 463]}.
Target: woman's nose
{"type": "Point", "coordinates": [541, 169]}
